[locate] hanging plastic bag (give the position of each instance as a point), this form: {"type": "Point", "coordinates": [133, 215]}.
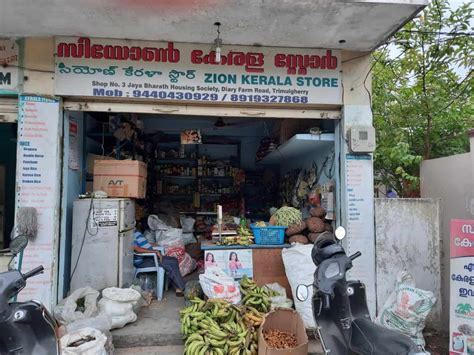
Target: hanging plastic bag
{"type": "Point", "coordinates": [216, 283]}
{"type": "Point", "coordinates": [187, 223]}
{"type": "Point", "coordinates": [406, 308]}
{"type": "Point", "coordinates": [87, 341]}
{"type": "Point", "coordinates": [279, 301]}
{"type": "Point", "coordinates": [81, 304]}
{"type": "Point", "coordinates": [299, 268]}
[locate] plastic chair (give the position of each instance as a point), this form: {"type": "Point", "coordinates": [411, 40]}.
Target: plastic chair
{"type": "Point", "coordinates": [161, 282]}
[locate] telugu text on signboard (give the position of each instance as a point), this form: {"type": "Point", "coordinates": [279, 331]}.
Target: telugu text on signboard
{"type": "Point", "coordinates": [189, 72]}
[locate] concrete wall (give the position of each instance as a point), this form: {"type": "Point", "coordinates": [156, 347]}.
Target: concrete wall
{"type": "Point", "coordinates": [450, 179]}
{"type": "Point", "coordinates": [408, 238]}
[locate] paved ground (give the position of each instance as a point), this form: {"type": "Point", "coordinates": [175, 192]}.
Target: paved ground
{"type": "Point", "coordinates": [157, 325]}
{"type": "Point", "coordinates": [157, 330]}
{"type": "Point", "coordinates": [314, 349]}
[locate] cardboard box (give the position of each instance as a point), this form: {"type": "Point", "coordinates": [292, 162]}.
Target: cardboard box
{"type": "Point", "coordinates": [120, 178]}
{"type": "Point", "coordinates": [285, 320]}
{"type": "Point", "coordinates": [91, 158]}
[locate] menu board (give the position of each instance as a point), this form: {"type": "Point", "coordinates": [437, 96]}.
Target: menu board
{"type": "Point", "coordinates": [461, 309]}
{"type": "Point", "coordinates": [38, 182]}
{"type": "Point", "coordinates": [360, 221]}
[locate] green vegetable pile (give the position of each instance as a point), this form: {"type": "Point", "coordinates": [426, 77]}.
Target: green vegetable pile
{"type": "Point", "coordinates": [286, 216]}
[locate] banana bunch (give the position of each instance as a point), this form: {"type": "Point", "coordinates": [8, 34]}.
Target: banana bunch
{"type": "Point", "coordinates": [217, 327]}
{"type": "Point", "coordinates": [244, 231]}
{"type": "Point", "coordinates": [255, 296]}
{"type": "Point", "coordinates": [238, 240]}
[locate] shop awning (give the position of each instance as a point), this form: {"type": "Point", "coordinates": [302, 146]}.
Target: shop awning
{"type": "Point", "coordinates": [359, 25]}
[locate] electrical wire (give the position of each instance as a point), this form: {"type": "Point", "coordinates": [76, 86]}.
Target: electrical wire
{"type": "Point", "coordinates": [86, 230]}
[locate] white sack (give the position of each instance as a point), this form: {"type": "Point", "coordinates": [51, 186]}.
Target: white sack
{"type": "Point", "coordinates": [299, 268]}
{"type": "Point", "coordinates": [66, 311]}
{"type": "Point", "coordinates": [93, 347]}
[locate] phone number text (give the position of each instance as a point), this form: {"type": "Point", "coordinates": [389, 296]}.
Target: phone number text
{"type": "Point", "coordinates": [197, 96]}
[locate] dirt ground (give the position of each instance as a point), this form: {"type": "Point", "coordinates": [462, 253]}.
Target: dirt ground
{"type": "Point", "coordinates": [437, 343]}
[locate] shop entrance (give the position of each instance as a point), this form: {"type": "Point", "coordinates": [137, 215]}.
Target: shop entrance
{"type": "Point", "coordinates": [195, 163]}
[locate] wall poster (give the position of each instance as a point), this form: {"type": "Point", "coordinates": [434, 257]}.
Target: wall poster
{"type": "Point", "coordinates": [38, 177]}
{"type": "Point", "coordinates": [360, 221]}
{"type": "Point", "coordinates": [234, 262]}
{"type": "Point", "coordinates": [461, 312]}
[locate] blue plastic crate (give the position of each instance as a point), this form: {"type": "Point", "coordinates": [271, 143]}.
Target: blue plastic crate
{"type": "Point", "coordinates": [268, 234]}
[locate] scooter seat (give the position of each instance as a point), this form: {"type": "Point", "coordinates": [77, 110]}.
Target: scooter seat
{"type": "Point", "coordinates": [372, 339]}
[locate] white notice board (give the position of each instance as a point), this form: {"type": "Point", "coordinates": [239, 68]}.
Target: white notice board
{"type": "Point", "coordinates": [38, 183]}
{"type": "Point", "coordinates": [360, 222]}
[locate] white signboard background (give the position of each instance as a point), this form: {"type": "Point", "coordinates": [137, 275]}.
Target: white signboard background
{"type": "Point", "coordinates": [187, 81]}
{"type": "Point", "coordinates": [9, 55]}
{"type": "Point", "coordinates": [360, 222]}
{"type": "Point", "coordinates": [38, 164]}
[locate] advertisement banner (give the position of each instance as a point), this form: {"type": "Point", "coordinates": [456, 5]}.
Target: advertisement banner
{"type": "Point", "coordinates": [461, 320]}
{"type": "Point", "coordinates": [185, 72]}
{"type": "Point", "coordinates": [234, 262]}
{"type": "Point", "coordinates": [37, 185]}
{"type": "Point", "coordinates": [9, 61]}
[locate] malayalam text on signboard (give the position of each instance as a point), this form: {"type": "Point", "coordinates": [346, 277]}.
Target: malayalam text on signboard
{"type": "Point", "coordinates": [189, 72]}
{"type": "Point", "coordinates": [9, 59]}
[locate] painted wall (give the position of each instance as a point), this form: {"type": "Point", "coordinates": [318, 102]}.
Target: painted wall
{"type": "Point", "coordinates": [450, 179]}
{"type": "Point", "coordinates": [408, 238]}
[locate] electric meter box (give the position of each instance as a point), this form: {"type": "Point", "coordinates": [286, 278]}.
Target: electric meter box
{"type": "Point", "coordinates": [362, 139]}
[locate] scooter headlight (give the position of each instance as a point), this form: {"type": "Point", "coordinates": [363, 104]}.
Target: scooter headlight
{"type": "Point", "coordinates": [332, 270]}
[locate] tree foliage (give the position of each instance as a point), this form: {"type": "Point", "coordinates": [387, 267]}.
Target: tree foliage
{"type": "Point", "coordinates": [422, 93]}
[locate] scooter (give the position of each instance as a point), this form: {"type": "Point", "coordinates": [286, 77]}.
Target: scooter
{"type": "Point", "coordinates": [25, 327]}
{"type": "Point", "coordinates": [340, 307]}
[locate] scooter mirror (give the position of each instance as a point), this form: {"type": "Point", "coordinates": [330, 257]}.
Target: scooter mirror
{"type": "Point", "coordinates": [18, 244]}
{"type": "Point", "coordinates": [340, 233]}
{"type": "Point", "coordinates": [302, 293]}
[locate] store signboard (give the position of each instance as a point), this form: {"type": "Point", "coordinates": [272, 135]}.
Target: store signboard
{"type": "Point", "coordinates": [234, 262]}
{"type": "Point", "coordinates": [461, 319]}
{"type": "Point", "coordinates": [189, 72]}
{"type": "Point", "coordinates": [38, 176]}
{"type": "Point", "coordinates": [9, 62]}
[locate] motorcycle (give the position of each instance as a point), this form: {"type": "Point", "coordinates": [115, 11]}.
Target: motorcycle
{"type": "Point", "coordinates": [25, 327]}
{"type": "Point", "coordinates": [340, 307]}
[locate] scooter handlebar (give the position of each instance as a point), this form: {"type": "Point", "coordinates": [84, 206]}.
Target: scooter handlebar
{"type": "Point", "coordinates": [34, 272]}
{"type": "Point", "coordinates": [355, 255]}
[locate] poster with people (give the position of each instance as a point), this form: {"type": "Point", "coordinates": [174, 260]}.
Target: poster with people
{"type": "Point", "coordinates": [234, 262]}
{"type": "Point", "coordinates": [461, 322]}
